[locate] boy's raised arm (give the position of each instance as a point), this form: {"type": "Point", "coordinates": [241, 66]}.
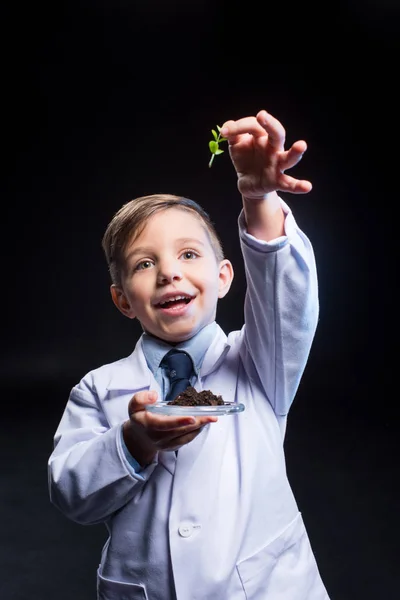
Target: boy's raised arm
{"type": "Point", "coordinates": [281, 304]}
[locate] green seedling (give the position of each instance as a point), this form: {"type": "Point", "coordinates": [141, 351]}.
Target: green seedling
{"type": "Point", "coordinates": [214, 144]}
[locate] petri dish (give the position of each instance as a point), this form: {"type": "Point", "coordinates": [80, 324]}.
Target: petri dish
{"type": "Point", "coordinates": [228, 408]}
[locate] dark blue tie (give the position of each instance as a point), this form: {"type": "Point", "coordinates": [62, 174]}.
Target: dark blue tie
{"type": "Point", "coordinates": [179, 368]}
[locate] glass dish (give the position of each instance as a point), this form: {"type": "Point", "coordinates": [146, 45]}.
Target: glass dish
{"type": "Point", "coordinates": [228, 408]}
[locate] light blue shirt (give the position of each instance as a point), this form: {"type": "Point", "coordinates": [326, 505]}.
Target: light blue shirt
{"type": "Point", "coordinates": [154, 351]}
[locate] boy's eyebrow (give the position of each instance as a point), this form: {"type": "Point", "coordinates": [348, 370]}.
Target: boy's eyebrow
{"type": "Point", "coordinates": [149, 250]}
{"type": "Point", "coordinates": [139, 250]}
{"type": "Point", "coordinates": [190, 240]}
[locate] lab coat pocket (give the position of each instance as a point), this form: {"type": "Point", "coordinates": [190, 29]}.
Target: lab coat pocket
{"type": "Point", "coordinates": [285, 568]}
{"type": "Point", "coordinates": [109, 589]}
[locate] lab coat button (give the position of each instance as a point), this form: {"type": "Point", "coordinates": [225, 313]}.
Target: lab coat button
{"type": "Point", "coordinates": [185, 530]}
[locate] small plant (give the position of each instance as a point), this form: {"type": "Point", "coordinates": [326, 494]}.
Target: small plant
{"type": "Point", "coordinates": [214, 144]}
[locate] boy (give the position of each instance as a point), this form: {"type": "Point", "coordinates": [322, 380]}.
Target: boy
{"type": "Point", "coordinates": [199, 508]}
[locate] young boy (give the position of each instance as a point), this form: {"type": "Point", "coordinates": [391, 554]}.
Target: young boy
{"type": "Point", "coordinates": [199, 508]}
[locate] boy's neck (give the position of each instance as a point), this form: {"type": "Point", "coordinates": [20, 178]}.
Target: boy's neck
{"type": "Point", "coordinates": [176, 343]}
{"type": "Point", "coordinates": [168, 341]}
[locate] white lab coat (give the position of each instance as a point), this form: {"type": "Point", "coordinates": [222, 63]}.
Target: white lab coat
{"type": "Point", "coordinates": [217, 521]}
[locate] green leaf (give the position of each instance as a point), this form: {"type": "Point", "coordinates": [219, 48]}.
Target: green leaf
{"type": "Point", "coordinates": [214, 134]}
{"type": "Point", "coordinates": [213, 146]}
{"type": "Point", "coordinates": [219, 128]}
{"type": "Point", "coordinates": [223, 139]}
{"type": "Point", "coordinates": [219, 151]}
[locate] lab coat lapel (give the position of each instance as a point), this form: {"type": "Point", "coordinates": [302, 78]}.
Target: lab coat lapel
{"type": "Point", "coordinates": [132, 374]}
{"type": "Point", "coordinates": [215, 354]}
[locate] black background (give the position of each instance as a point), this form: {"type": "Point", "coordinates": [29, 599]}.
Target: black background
{"type": "Point", "coordinates": [105, 101]}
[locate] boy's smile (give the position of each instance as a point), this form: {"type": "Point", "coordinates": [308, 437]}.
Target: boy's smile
{"type": "Point", "coordinates": [172, 280]}
{"type": "Point", "coordinates": [174, 303]}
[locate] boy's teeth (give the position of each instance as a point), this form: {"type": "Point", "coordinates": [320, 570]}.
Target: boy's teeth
{"type": "Point", "coordinates": [174, 299]}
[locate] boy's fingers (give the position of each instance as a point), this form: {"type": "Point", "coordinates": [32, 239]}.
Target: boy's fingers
{"type": "Point", "coordinates": [167, 423]}
{"type": "Point", "coordinates": [274, 128]}
{"type": "Point", "coordinates": [163, 423]}
{"type": "Point", "coordinates": [291, 157]}
{"type": "Point", "coordinates": [155, 422]}
{"type": "Point", "coordinates": [295, 186]}
{"type": "Point", "coordinates": [233, 129]}
{"type": "Point", "coordinates": [258, 126]}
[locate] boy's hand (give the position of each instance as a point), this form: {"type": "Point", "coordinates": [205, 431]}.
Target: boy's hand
{"type": "Point", "coordinates": [256, 147]}
{"type": "Point", "coordinates": [146, 433]}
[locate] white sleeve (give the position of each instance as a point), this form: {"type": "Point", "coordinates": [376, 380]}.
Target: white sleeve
{"type": "Point", "coordinates": [89, 475]}
{"type": "Point", "coordinates": [281, 308]}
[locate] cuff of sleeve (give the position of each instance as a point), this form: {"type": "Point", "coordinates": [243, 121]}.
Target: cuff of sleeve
{"type": "Point", "coordinates": [133, 466]}
{"type": "Point", "coordinates": [273, 245]}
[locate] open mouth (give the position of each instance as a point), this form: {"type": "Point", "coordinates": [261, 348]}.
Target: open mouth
{"type": "Point", "coordinates": [176, 302]}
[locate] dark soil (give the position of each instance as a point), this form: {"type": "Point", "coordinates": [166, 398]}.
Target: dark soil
{"type": "Point", "coordinates": [190, 397]}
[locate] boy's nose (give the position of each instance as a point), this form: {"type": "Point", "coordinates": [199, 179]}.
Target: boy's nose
{"type": "Point", "coordinates": [169, 271]}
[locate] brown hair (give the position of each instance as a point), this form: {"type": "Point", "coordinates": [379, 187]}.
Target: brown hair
{"type": "Point", "coordinates": [130, 220]}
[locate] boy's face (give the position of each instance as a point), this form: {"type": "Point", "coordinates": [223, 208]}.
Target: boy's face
{"type": "Point", "coordinates": [172, 279]}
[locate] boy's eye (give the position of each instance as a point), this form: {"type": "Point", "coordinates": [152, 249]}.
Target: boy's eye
{"type": "Point", "coordinates": [145, 264]}
{"type": "Point", "coordinates": [189, 255]}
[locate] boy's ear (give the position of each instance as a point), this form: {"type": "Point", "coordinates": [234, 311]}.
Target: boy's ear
{"type": "Point", "coordinates": [121, 301]}
{"type": "Point", "coordinates": [226, 275]}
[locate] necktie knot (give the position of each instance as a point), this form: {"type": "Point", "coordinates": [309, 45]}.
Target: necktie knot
{"type": "Point", "coordinates": [179, 368]}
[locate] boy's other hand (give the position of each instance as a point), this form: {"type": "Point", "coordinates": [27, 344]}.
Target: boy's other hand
{"type": "Point", "coordinates": [257, 150]}
{"type": "Point", "coordinates": [146, 433]}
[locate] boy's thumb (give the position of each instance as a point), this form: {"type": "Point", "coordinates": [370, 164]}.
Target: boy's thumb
{"type": "Point", "coordinates": [139, 400]}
